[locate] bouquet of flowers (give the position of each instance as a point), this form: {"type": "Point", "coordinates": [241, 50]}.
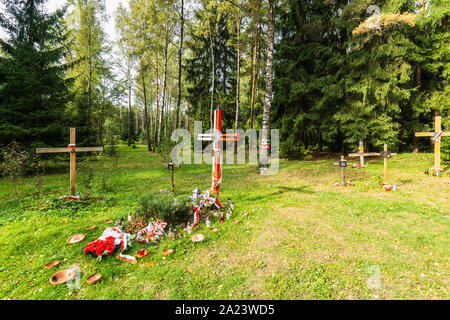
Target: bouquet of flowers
{"type": "Point", "coordinates": [101, 247]}
{"type": "Point", "coordinates": [107, 243]}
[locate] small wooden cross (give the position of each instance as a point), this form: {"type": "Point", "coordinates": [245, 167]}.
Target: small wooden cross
{"type": "Point", "coordinates": [217, 151]}
{"type": "Point", "coordinates": [72, 149]}
{"type": "Point", "coordinates": [437, 134]}
{"type": "Point", "coordinates": [361, 154]}
{"type": "Point", "coordinates": [386, 155]}
{"type": "Point", "coordinates": [342, 164]}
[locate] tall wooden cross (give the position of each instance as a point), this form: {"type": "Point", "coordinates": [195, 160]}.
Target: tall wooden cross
{"type": "Point", "coordinates": [342, 164]}
{"type": "Point", "coordinates": [361, 154]}
{"type": "Point", "coordinates": [217, 150]}
{"type": "Point", "coordinates": [72, 149]}
{"type": "Point", "coordinates": [437, 134]}
{"type": "Point", "coordinates": [386, 155]}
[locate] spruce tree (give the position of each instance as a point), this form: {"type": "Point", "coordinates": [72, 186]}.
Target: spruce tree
{"type": "Point", "coordinates": [33, 87]}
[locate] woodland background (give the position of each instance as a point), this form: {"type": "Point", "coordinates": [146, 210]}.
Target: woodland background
{"type": "Point", "coordinates": [309, 68]}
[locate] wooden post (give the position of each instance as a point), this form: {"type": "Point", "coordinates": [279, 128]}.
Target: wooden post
{"type": "Point", "coordinates": [73, 163]}
{"type": "Point", "coordinates": [385, 164]}
{"type": "Point", "coordinates": [342, 164]}
{"type": "Point", "coordinates": [361, 152]}
{"type": "Point", "coordinates": [171, 165]}
{"type": "Point", "coordinates": [343, 172]}
{"type": "Point", "coordinates": [437, 145]}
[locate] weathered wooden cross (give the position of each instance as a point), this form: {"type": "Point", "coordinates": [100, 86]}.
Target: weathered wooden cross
{"type": "Point", "coordinates": [437, 134]}
{"type": "Point", "coordinates": [386, 155]}
{"type": "Point", "coordinates": [342, 164]}
{"type": "Point", "coordinates": [72, 149]}
{"type": "Point", "coordinates": [217, 150]}
{"type": "Point", "coordinates": [361, 154]}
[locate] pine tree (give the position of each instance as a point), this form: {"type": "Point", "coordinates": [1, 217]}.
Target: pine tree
{"type": "Point", "coordinates": [33, 87]}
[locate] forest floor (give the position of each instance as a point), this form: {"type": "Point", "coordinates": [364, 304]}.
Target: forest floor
{"type": "Point", "coordinates": [303, 237]}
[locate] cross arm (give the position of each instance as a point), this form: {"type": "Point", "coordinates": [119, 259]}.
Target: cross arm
{"type": "Point", "coordinates": [60, 150]}
{"type": "Point", "coordinates": [368, 154]}
{"type": "Point", "coordinates": [424, 134]}
{"type": "Point", "coordinates": [88, 149]}
{"type": "Point", "coordinates": [52, 150]}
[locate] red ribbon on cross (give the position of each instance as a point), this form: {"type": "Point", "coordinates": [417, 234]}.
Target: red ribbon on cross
{"type": "Point", "coordinates": [72, 145]}
{"type": "Point", "coordinates": [437, 136]}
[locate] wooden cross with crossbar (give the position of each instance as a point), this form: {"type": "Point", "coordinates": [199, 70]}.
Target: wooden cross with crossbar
{"type": "Point", "coordinates": [217, 151]}
{"type": "Point", "coordinates": [342, 164]}
{"type": "Point", "coordinates": [437, 134]}
{"type": "Point", "coordinates": [72, 149]}
{"type": "Point", "coordinates": [361, 154]}
{"type": "Point", "coordinates": [386, 155]}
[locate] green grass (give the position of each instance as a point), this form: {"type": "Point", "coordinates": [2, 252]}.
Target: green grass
{"type": "Point", "coordinates": [303, 238]}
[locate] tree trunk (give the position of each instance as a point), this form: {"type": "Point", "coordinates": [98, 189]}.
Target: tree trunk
{"type": "Point", "coordinates": [255, 46]}
{"type": "Point", "coordinates": [238, 72]}
{"type": "Point", "coordinates": [90, 76]}
{"type": "Point", "coordinates": [146, 129]}
{"type": "Point", "coordinates": [180, 51]}
{"type": "Point", "coordinates": [164, 88]}
{"type": "Point", "coordinates": [269, 66]}
{"type": "Point", "coordinates": [157, 101]}
{"type": "Point", "coordinates": [213, 77]}
{"type": "Point", "coordinates": [129, 112]}
{"type": "Point", "coordinates": [188, 121]}
{"type": "Point", "coordinates": [269, 72]}
{"type": "Point", "coordinates": [136, 120]}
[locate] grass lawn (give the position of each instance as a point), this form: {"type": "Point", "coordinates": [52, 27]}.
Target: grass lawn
{"type": "Point", "coordinates": [303, 238]}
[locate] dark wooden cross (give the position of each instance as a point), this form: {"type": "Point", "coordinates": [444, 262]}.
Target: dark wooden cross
{"type": "Point", "coordinates": [437, 134]}
{"type": "Point", "coordinates": [72, 149]}
{"type": "Point", "coordinates": [342, 164]}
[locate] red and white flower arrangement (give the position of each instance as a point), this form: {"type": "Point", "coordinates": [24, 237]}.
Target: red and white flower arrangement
{"type": "Point", "coordinates": [107, 243]}
{"type": "Point", "coordinates": [101, 247]}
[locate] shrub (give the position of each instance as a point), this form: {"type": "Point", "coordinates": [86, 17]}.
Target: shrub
{"type": "Point", "coordinates": [154, 206]}
{"type": "Point", "coordinates": [86, 173]}
{"type": "Point", "coordinates": [445, 151]}
{"type": "Point", "coordinates": [15, 162]}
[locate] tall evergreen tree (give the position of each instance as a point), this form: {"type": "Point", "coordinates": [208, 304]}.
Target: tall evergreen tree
{"type": "Point", "coordinates": [33, 86]}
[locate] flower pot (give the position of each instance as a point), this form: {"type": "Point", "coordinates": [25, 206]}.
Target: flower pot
{"type": "Point", "coordinates": [198, 237]}
{"type": "Point", "coordinates": [76, 238]}
{"type": "Point", "coordinates": [62, 276]}
{"type": "Point", "coordinates": [94, 278]}
{"type": "Point", "coordinates": [52, 264]}
{"type": "Point", "coordinates": [142, 253]}
{"type": "Point", "coordinates": [167, 252]}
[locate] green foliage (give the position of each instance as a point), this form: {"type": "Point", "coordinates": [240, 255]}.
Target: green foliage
{"type": "Point", "coordinates": [33, 87]}
{"type": "Point", "coordinates": [333, 89]}
{"type": "Point", "coordinates": [85, 172]}
{"type": "Point", "coordinates": [14, 163]}
{"type": "Point", "coordinates": [211, 26]}
{"type": "Point", "coordinates": [91, 90]}
{"type": "Point", "coordinates": [164, 206]}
